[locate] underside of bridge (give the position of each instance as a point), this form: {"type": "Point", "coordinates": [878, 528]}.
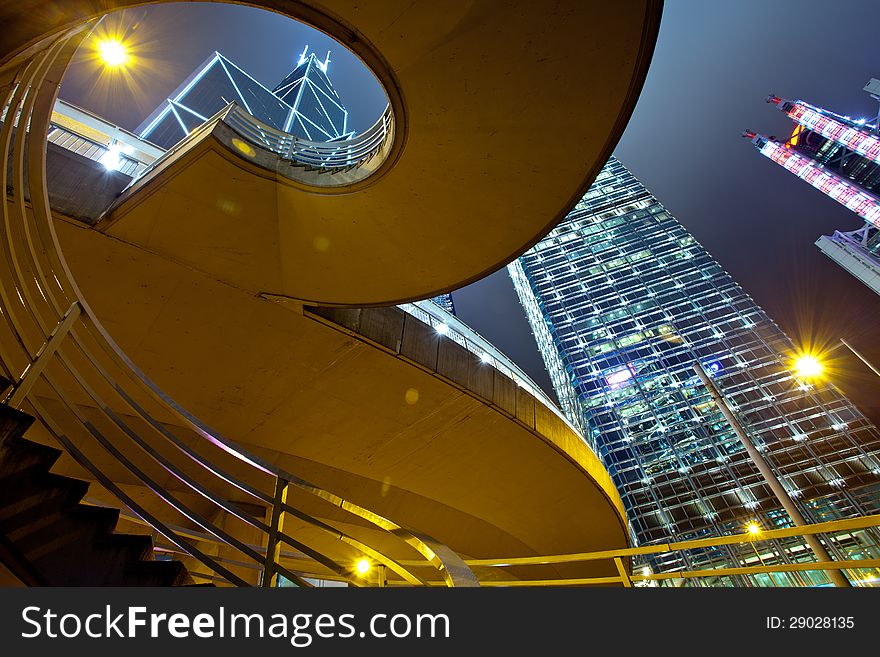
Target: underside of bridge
{"type": "Point", "coordinates": [247, 291]}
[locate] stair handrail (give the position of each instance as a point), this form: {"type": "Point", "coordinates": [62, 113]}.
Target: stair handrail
{"type": "Point", "coordinates": [33, 86]}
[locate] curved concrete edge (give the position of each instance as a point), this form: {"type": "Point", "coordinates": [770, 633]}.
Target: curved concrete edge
{"type": "Point", "coordinates": [405, 337]}
{"type": "Point", "coordinates": [650, 32]}
{"type": "Point", "coordinates": [31, 25]}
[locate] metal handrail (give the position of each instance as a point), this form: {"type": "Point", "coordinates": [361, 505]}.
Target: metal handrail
{"type": "Point", "coordinates": [58, 341]}
{"type": "Point", "coordinates": [451, 326]}
{"type": "Point", "coordinates": [324, 155]}
{"type": "Point", "coordinates": [626, 578]}
{"type": "Point", "coordinates": [329, 158]}
{"type": "Point", "coordinates": [825, 528]}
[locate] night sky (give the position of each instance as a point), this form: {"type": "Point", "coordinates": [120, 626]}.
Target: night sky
{"type": "Point", "coordinates": [714, 65]}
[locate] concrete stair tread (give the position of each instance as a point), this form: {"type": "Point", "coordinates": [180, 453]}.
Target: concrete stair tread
{"type": "Point", "coordinates": [50, 537]}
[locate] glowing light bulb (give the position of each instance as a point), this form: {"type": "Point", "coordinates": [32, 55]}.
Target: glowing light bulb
{"type": "Point", "coordinates": [363, 567]}
{"type": "Point", "coordinates": [808, 366]}
{"type": "Point", "coordinates": [113, 52]}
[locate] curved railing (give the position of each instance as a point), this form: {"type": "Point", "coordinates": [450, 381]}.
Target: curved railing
{"type": "Point", "coordinates": [212, 501]}
{"type": "Point", "coordinates": [323, 164]}
{"type": "Point", "coordinates": [451, 326]}
{"type": "Point", "coordinates": [320, 154]}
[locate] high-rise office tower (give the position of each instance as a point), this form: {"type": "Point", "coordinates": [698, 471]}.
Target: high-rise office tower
{"type": "Point", "coordinates": [840, 156]}
{"type": "Point", "coordinates": [445, 302]}
{"type": "Point", "coordinates": [304, 103]}
{"type": "Point", "coordinates": [317, 113]}
{"type": "Point", "coordinates": [208, 89]}
{"type": "Point", "coordinates": [622, 301]}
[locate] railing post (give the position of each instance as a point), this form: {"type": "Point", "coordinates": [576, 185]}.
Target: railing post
{"type": "Point", "coordinates": [32, 372]}
{"type": "Point", "coordinates": [276, 527]}
{"type": "Point", "coordinates": [621, 570]}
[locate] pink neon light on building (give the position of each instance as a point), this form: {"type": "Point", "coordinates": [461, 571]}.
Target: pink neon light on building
{"type": "Point", "coordinates": [866, 205]}
{"type": "Point", "coordinates": [858, 141]}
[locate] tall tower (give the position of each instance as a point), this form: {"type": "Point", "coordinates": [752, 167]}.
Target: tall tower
{"type": "Point", "coordinates": [622, 301]}
{"type": "Point", "coordinates": [304, 103]}
{"type": "Point", "coordinates": [839, 156]}
{"type": "Point", "coordinates": [316, 111]}
{"type": "Point", "coordinates": [207, 90]}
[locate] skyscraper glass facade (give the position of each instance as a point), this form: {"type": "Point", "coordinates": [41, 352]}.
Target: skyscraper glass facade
{"type": "Point", "coordinates": [317, 112]}
{"type": "Point", "coordinates": [210, 88]}
{"type": "Point", "coordinates": [445, 302]}
{"type": "Point", "coordinates": [304, 103]}
{"type": "Point", "coordinates": [839, 156]}
{"type": "Point", "coordinates": [622, 301]}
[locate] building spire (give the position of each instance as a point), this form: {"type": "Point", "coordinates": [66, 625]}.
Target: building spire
{"type": "Point", "coordinates": [323, 66]}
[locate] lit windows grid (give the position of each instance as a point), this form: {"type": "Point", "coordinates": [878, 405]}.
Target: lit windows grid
{"type": "Point", "coordinates": [680, 470]}
{"type": "Point", "coordinates": [317, 114]}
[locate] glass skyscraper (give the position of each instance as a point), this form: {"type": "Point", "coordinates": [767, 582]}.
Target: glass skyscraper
{"type": "Point", "coordinates": [622, 301]}
{"type": "Point", "coordinates": [210, 88]}
{"type": "Point", "coordinates": [317, 112]}
{"type": "Point", "coordinates": [445, 301]}
{"type": "Point", "coordinates": [839, 156]}
{"type": "Point", "coordinates": [304, 104]}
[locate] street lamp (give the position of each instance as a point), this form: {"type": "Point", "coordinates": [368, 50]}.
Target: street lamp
{"type": "Point", "coordinates": [113, 53]}
{"type": "Point", "coordinates": [821, 554]}
{"type": "Point", "coordinates": [754, 529]}
{"type": "Point", "coordinates": [807, 366]}
{"type": "Point", "coordinates": [871, 366]}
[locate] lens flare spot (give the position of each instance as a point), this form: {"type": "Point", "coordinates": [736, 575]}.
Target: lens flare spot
{"type": "Point", "coordinates": [321, 244]}
{"type": "Point", "coordinates": [227, 206]}
{"type": "Point", "coordinates": [411, 396]}
{"type": "Point", "coordinates": [243, 147]}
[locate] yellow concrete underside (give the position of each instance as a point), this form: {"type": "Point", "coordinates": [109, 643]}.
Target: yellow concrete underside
{"type": "Point", "coordinates": [334, 410]}
{"type": "Point", "coordinates": [504, 118]}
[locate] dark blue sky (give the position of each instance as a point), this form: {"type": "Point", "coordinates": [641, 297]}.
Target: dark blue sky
{"type": "Point", "coordinates": [715, 63]}
{"type": "Point", "coordinates": [169, 41]}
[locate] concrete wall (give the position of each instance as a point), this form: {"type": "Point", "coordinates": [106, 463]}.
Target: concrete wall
{"type": "Point", "coordinates": [419, 343]}
{"type": "Point", "coordinates": [79, 188]}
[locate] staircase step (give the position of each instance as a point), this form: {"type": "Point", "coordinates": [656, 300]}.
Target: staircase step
{"type": "Point", "coordinates": [13, 423]}
{"type": "Point", "coordinates": [56, 540]}
{"type": "Point", "coordinates": [158, 573]}
{"type": "Point", "coordinates": [35, 499]}
{"type": "Point", "coordinates": [18, 454]}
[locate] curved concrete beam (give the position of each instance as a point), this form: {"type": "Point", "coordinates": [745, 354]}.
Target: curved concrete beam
{"type": "Point", "coordinates": [503, 119]}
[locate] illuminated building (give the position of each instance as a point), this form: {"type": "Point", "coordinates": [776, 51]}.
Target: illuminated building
{"type": "Point", "coordinates": [210, 88]}
{"type": "Point", "coordinates": [304, 104]}
{"type": "Point", "coordinates": [839, 156]}
{"type": "Point", "coordinates": [316, 110]}
{"type": "Point", "coordinates": [622, 301]}
{"type": "Point", "coordinates": [445, 302]}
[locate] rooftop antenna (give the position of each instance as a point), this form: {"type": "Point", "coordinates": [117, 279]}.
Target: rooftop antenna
{"type": "Point", "coordinates": [873, 88]}
{"type": "Point", "coordinates": [323, 66]}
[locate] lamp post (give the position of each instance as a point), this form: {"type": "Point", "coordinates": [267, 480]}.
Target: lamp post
{"type": "Point", "coordinates": [860, 357]}
{"type": "Point", "coordinates": [837, 577]}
